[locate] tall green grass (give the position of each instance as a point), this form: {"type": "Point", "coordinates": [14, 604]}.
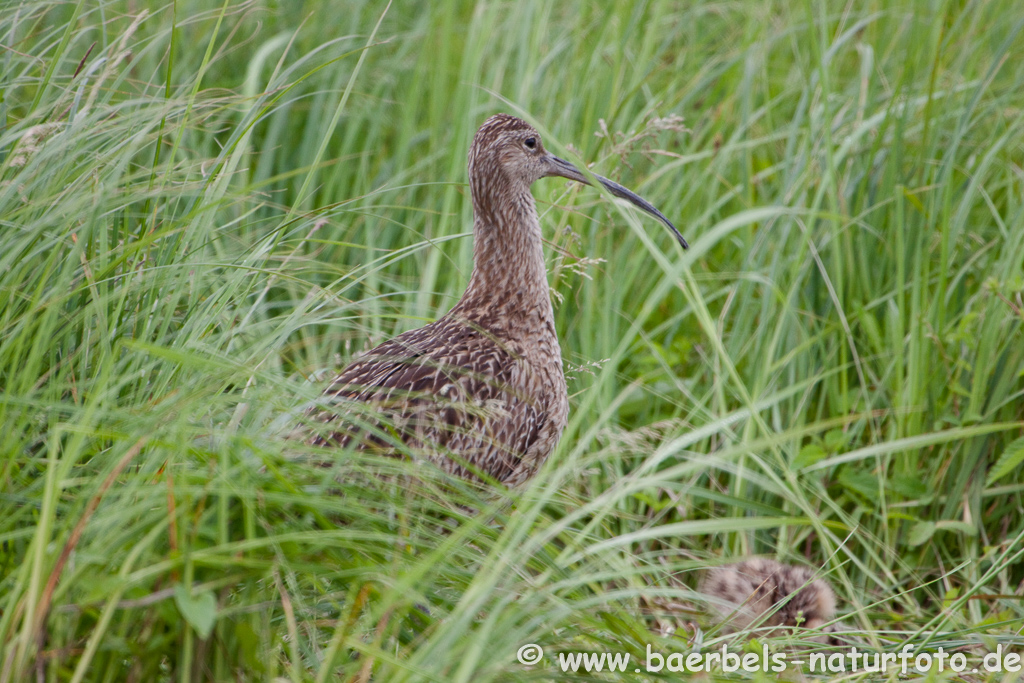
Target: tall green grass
{"type": "Point", "coordinates": [208, 207]}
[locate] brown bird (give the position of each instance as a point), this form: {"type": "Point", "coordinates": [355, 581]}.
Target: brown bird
{"type": "Point", "coordinates": [766, 593]}
{"type": "Point", "coordinates": [480, 392]}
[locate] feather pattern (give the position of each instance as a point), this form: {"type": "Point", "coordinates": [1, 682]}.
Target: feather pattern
{"type": "Point", "coordinates": [769, 593]}
{"type": "Point", "coordinates": [480, 392]}
{"type": "Point", "coordinates": [455, 395]}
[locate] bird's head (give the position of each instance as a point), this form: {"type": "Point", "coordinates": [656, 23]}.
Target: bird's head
{"type": "Point", "coordinates": [507, 152]}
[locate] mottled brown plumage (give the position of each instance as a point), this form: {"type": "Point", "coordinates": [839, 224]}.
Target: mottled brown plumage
{"type": "Point", "coordinates": [769, 594]}
{"type": "Point", "coordinates": [480, 392]}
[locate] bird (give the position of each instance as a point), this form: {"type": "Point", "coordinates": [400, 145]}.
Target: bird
{"type": "Point", "coordinates": [481, 391]}
{"type": "Point", "coordinates": [762, 592]}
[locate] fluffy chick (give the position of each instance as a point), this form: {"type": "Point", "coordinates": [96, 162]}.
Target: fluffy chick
{"type": "Point", "coordinates": [768, 593]}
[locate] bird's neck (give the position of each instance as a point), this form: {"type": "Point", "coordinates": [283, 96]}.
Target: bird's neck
{"type": "Point", "coordinates": [509, 281]}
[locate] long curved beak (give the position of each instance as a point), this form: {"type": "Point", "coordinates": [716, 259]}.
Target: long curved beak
{"type": "Point", "coordinates": [564, 169]}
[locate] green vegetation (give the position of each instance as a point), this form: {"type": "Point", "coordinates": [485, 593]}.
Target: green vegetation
{"type": "Point", "coordinates": [207, 208]}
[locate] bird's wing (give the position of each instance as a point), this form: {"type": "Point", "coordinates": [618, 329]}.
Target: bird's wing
{"type": "Point", "coordinates": [447, 390]}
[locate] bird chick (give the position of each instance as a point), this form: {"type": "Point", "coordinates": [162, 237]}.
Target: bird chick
{"type": "Point", "coordinates": [766, 593]}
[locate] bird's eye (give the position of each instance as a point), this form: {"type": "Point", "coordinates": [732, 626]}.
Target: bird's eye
{"type": "Point", "coordinates": [531, 143]}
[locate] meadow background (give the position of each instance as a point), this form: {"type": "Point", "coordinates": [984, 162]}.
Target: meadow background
{"type": "Point", "coordinates": [206, 207]}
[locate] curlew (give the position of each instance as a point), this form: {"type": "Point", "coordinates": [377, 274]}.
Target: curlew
{"type": "Point", "coordinates": [480, 392]}
{"type": "Point", "coordinates": [758, 591]}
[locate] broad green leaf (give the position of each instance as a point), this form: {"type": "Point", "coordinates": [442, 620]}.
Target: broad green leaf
{"type": "Point", "coordinates": [921, 533]}
{"type": "Point", "coordinates": [956, 525]}
{"type": "Point", "coordinates": [199, 610]}
{"type": "Point", "coordinates": [249, 645]}
{"type": "Point", "coordinates": [808, 455]}
{"type": "Point", "coordinates": [861, 482]}
{"type": "Point", "coordinates": [1009, 461]}
{"type": "Point", "coordinates": [835, 439]}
